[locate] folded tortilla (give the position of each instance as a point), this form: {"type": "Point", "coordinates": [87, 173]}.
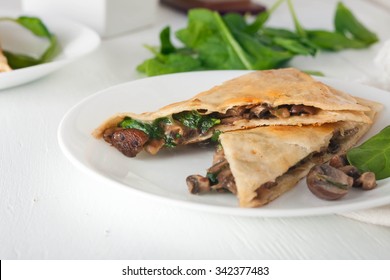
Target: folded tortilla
{"type": "Point", "coordinates": [4, 67]}
{"type": "Point", "coordinates": [260, 164]}
{"type": "Point", "coordinates": [270, 97]}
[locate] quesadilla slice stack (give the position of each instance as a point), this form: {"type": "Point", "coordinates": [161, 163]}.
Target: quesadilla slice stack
{"type": "Point", "coordinates": [261, 98]}
{"type": "Point", "coordinates": [260, 164]}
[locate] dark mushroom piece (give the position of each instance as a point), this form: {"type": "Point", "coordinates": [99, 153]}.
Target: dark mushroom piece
{"type": "Point", "coordinates": [198, 184]}
{"type": "Point", "coordinates": [281, 112]}
{"type": "Point", "coordinates": [225, 181]}
{"type": "Point", "coordinates": [327, 182]}
{"type": "Point", "coordinates": [154, 145]}
{"type": "Point", "coordinates": [129, 141]}
{"type": "Point", "coordinates": [234, 112]}
{"type": "Point", "coordinates": [303, 109]}
{"type": "Point", "coordinates": [351, 171]}
{"type": "Point", "coordinates": [260, 111]}
{"type": "Point", "coordinates": [366, 181]}
{"type": "Point", "coordinates": [338, 161]}
{"type": "Point", "coordinates": [107, 134]}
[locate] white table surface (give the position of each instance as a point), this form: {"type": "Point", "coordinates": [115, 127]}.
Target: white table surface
{"type": "Point", "coordinates": [49, 209]}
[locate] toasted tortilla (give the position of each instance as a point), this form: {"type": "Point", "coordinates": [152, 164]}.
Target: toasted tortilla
{"type": "Point", "coordinates": [273, 87]}
{"type": "Point", "coordinates": [283, 154]}
{"type": "Point", "coordinates": [4, 67]}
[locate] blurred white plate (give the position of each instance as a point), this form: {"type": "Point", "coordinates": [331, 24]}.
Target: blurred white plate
{"type": "Point", "coordinates": [75, 41]}
{"type": "Point", "coordinates": [162, 177]}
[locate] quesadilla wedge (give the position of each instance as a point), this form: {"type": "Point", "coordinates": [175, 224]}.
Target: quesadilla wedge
{"type": "Point", "coordinates": [270, 97]}
{"type": "Point", "coordinates": [260, 164]}
{"type": "Point", "coordinates": [4, 67]}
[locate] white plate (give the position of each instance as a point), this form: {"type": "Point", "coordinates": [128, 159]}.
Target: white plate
{"type": "Point", "coordinates": [75, 41]}
{"type": "Point", "coordinates": [163, 176]}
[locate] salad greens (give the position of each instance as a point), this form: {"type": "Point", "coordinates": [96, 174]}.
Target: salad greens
{"type": "Point", "coordinates": [38, 28]}
{"type": "Point", "coordinates": [373, 155]}
{"type": "Point", "coordinates": [231, 41]}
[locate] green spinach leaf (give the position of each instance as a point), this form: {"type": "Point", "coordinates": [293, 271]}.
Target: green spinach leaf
{"type": "Point", "coordinates": [194, 120]}
{"type": "Point", "coordinates": [209, 37]}
{"type": "Point", "coordinates": [347, 24]}
{"type": "Point", "coordinates": [149, 129]}
{"type": "Point", "coordinates": [373, 155]}
{"type": "Point", "coordinates": [165, 39]}
{"type": "Point", "coordinates": [38, 28]}
{"type": "Point", "coordinates": [212, 41]}
{"type": "Point", "coordinates": [333, 41]}
{"type": "Point", "coordinates": [154, 130]}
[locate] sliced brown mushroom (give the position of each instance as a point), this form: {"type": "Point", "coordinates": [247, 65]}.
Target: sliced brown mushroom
{"type": "Point", "coordinates": [198, 184]}
{"type": "Point", "coordinates": [303, 109]}
{"type": "Point", "coordinates": [338, 161]}
{"type": "Point", "coordinates": [351, 171]}
{"type": "Point", "coordinates": [366, 181]}
{"type": "Point", "coordinates": [327, 182]}
{"type": "Point", "coordinates": [129, 141]}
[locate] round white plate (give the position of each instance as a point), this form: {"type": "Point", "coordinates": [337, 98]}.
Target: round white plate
{"type": "Point", "coordinates": [75, 41]}
{"type": "Point", "coordinates": [163, 176]}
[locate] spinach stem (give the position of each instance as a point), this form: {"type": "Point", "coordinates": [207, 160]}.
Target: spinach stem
{"type": "Point", "coordinates": [275, 6]}
{"type": "Point", "coordinates": [298, 27]}
{"type": "Point", "coordinates": [233, 43]}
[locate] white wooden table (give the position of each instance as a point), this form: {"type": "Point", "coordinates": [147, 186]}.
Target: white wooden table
{"type": "Point", "coordinates": [49, 209]}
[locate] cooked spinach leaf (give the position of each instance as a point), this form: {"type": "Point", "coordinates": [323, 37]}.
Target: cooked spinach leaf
{"type": "Point", "coordinates": [373, 155]}
{"type": "Point", "coordinates": [154, 130]}
{"type": "Point", "coordinates": [194, 120]}
{"type": "Point", "coordinates": [151, 130]}
{"type": "Point", "coordinates": [212, 178]}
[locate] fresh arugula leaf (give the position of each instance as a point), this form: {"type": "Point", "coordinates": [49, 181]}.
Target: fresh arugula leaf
{"type": "Point", "coordinates": [38, 28]}
{"type": "Point", "coordinates": [373, 155]}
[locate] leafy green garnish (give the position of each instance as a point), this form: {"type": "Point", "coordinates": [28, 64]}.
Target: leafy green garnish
{"type": "Point", "coordinates": [373, 155]}
{"type": "Point", "coordinates": [38, 28]}
{"type": "Point", "coordinates": [194, 120]}
{"type": "Point", "coordinates": [212, 41]}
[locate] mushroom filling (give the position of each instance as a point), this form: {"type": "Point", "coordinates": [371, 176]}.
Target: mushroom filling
{"type": "Point", "coordinates": [220, 178]}
{"type": "Point", "coordinates": [189, 126]}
